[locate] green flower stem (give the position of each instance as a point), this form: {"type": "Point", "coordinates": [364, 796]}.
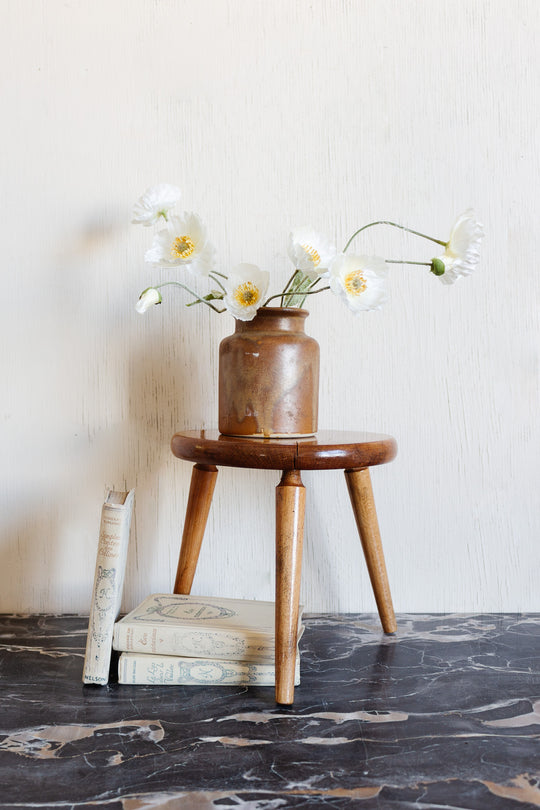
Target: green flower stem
{"type": "Point", "coordinates": [405, 261]}
{"type": "Point", "coordinates": [394, 225]}
{"type": "Point", "coordinates": [314, 292]}
{"type": "Point", "coordinates": [191, 292]}
{"type": "Point", "coordinates": [296, 296]}
{"type": "Point", "coordinates": [213, 277]}
{"type": "Point", "coordinates": [288, 286]}
{"type": "Point", "coordinates": [304, 293]}
{"type": "Point", "coordinates": [294, 292]}
{"type": "Point", "coordinates": [222, 275]}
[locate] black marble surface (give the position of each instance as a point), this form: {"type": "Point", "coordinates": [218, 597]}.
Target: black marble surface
{"type": "Point", "coordinates": [446, 714]}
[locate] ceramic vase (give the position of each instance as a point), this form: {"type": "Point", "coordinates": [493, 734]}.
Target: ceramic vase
{"type": "Point", "coordinates": [269, 377]}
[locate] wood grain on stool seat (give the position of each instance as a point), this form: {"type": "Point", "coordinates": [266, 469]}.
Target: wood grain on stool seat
{"type": "Point", "coordinates": [328, 450]}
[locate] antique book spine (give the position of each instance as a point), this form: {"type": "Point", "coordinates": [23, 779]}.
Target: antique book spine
{"type": "Point", "coordinates": [108, 582]}
{"type": "Point", "coordinates": [135, 668]}
{"type": "Point", "coordinates": [193, 642]}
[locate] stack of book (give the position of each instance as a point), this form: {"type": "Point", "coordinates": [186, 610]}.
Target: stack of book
{"type": "Point", "coordinates": [172, 638]}
{"type": "Point", "coordinates": [186, 639]}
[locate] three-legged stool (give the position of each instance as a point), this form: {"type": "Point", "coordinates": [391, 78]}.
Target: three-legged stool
{"type": "Point", "coordinates": [352, 452]}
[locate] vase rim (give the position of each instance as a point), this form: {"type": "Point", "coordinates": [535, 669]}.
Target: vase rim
{"type": "Point", "coordinates": [289, 318]}
{"type": "Point", "coordinates": [283, 310]}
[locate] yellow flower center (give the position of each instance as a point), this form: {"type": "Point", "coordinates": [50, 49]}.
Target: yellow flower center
{"type": "Point", "coordinates": [182, 247]}
{"type": "Point", "coordinates": [355, 283]}
{"type": "Point", "coordinates": [246, 294]}
{"type": "Point", "coordinates": [313, 255]}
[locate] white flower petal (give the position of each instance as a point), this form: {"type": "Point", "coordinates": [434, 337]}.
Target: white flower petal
{"type": "Point", "coordinates": [204, 262]}
{"type": "Point", "coordinates": [246, 288]}
{"type": "Point", "coordinates": [155, 202]}
{"type": "Point", "coordinates": [310, 252]}
{"type": "Point", "coordinates": [360, 281]}
{"type": "Point", "coordinates": [462, 252]}
{"type": "Point", "coordinates": [154, 255]}
{"type": "Point", "coordinates": [183, 242]}
{"type": "Point", "coordinates": [189, 223]}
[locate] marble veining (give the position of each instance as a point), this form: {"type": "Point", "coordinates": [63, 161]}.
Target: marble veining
{"type": "Point", "coordinates": [445, 714]}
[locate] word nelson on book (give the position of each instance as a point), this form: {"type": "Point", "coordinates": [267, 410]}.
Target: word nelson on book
{"type": "Point", "coordinates": [199, 627]}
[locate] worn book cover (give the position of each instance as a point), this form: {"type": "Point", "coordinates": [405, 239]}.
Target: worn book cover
{"type": "Point", "coordinates": [142, 668]}
{"type": "Point", "coordinates": [108, 582]}
{"type": "Point", "coordinates": [199, 627]}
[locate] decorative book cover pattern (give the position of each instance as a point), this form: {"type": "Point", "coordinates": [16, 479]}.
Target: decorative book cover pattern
{"type": "Point", "coordinates": [250, 615]}
{"type": "Point", "coordinates": [135, 668]}
{"type": "Point", "coordinates": [199, 627]}
{"type": "Point", "coordinates": [108, 582]}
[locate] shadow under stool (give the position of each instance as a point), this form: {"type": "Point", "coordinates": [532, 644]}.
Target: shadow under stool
{"type": "Point", "coordinates": [352, 452]}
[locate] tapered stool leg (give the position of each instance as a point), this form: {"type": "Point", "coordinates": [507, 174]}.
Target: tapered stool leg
{"type": "Point", "coordinates": [361, 494]}
{"type": "Point", "coordinates": [203, 481]}
{"type": "Point", "coordinates": [290, 505]}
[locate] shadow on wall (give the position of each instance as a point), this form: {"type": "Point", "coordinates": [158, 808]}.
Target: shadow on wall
{"type": "Point", "coordinates": [102, 398]}
{"type": "Point", "coordinates": [45, 444]}
{"type": "Point", "coordinates": [161, 398]}
{"type": "Point", "coordinates": [26, 561]}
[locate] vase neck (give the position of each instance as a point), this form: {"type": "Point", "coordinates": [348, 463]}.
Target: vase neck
{"type": "Point", "coordinates": [281, 319]}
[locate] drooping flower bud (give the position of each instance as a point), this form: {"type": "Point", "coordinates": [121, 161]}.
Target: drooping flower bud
{"type": "Point", "coordinates": [437, 267]}
{"type": "Point", "coordinates": [147, 298]}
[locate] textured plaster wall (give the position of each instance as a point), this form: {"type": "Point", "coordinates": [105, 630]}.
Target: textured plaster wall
{"type": "Point", "coordinates": [270, 115]}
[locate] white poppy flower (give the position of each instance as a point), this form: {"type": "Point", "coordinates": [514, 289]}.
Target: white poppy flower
{"type": "Point", "coordinates": [147, 298]}
{"type": "Point", "coordinates": [183, 242]}
{"type": "Point", "coordinates": [359, 280]}
{"type": "Point", "coordinates": [310, 252]}
{"type": "Point", "coordinates": [461, 254]}
{"type": "Point", "coordinates": [246, 288]}
{"type": "Point", "coordinates": [156, 202]}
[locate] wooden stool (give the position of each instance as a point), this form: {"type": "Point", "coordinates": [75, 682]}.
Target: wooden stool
{"type": "Point", "coordinates": [329, 450]}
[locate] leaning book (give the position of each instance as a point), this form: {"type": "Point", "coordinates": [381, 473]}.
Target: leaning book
{"type": "Point", "coordinates": [199, 627]}
{"type": "Point", "coordinates": [108, 582]}
{"type": "Point", "coordinates": [141, 668]}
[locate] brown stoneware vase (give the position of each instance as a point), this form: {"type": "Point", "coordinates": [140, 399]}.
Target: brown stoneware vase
{"type": "Point", "coordinates": [269, 377]}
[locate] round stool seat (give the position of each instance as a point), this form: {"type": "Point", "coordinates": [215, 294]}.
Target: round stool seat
{"type": "Point", "coordinates": [328, 450]}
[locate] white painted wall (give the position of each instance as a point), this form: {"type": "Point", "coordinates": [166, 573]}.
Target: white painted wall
{"type": "Point", "coordinates": [270, 115]}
